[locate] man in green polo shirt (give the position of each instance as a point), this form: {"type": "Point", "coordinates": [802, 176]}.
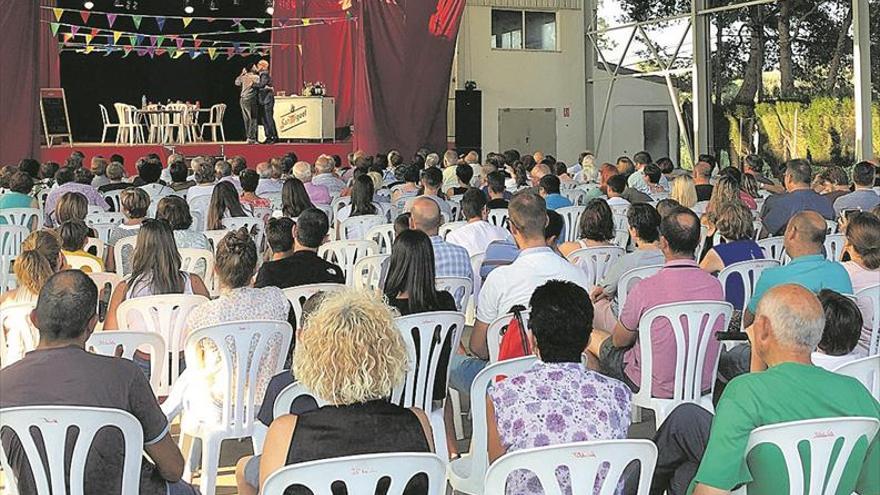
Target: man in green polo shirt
{"type": "Point", "coordinates": [783, 386]}
{"type": "Point", "coordinates": [804, 241]}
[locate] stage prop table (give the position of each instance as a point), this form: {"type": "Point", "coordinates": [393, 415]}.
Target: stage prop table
{"type": "Point", "coordinates": [304, 118]}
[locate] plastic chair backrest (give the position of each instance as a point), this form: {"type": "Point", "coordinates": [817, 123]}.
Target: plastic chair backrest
{"type": "Point", "coordinates": [105, 115]}
{"type": "Point", "coordinates": [585, 462]}
{"type": "Point", "coordinates": [53, 422]}
{"type": "Point", "coordinates": [748, 272]}
{"type": "Point", "coordinates": [757, 226]}
{"type": "Point", "coordinates": [346, 253]}
{"type": "Point", "coordinates": [124, 246]}
{"type": "Point", "coordinates": [425, 336]}
{"type": "Point", "coordinates": [368, 271]}
{"type": "Point", "coordinates": [692, 340]}
{"type": "Point", "coordinates": [383, 236]}
{"type": "Point", "coordinates": [200, 204]}
{"type": "Point", "coordinates": [620, 221]}
{"type": "Point", "coordinates": [80, 262]}
{"type": "Point", "coordinates": [214, 237]}
{"type": "Point", "coordinates": [253, 225]}
{"type": "Point", "coordinates": [865, 370]}
{"type": "Point", "coordinates": [11, 237]}
{"type": "Point", "coordinates": [834, 246]}
{"type": "Point", "coordinates": [114, 197]}
{"type": "Point", "coordinates": [704, 232]}
{"type": "Point", "coordinates": [356, 228]}
{"type": "Point", "coordinates": [595, 261]}
{"type": "Point", "coordinates": [575, 195]}
{"type": "Point", "coordinates": [461, 289]}
{"type": "Point", "coordinates": [290, 393]}
{"type": "Point", "coordinates": [498, 217]}
{"type": "Point", "coordinates": [571, 216]}
{"type": "Point", "coordinates": [21, 335]}
{"type": "Point", "coordinates": [165, 315]}
{"type": "Point", "coordinates": [822, 435]}
{"type": "Point", "coordinates": [361, 474]}
{"type": "Point", "coordinates": [190, 259]}
{"type": "Point", "coordinates": [446, 228]}
{"type": "Point", "coordinates": [630, 278]}
{"type": "Point", "coordinates": [454, 208]}
{"type": "Point", "coordinates": [96, 247]}
{"type": "Point", "coordinates": [109, 344]}
{"type": "Point", "coordinates": [244, 348]}
{"type": "Point", "coordinates": [300, 294]}
{"type": "Point", "coordinates": [30, 218]}
{"type": "Point", "coordinates": [700, 208]}
{"type": "Point", "coordinates": [868, 300]}
{"type": "Point", "coordinates": [339, 203]}
{"type": "Point", "coordinates": [773, 248]}
{"type": "Point", "coordinates": [619, 210]}
{"type": "Point", "coordinates": [496, 330]}
{"type": "Point", "coordinates": [104, 227]}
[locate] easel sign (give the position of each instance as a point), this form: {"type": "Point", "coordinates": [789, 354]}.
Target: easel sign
{"type": "Point", "coordinates": [54, 116]}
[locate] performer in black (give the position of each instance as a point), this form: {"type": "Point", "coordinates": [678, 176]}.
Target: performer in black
{"type": "Point", "coordinates": [266, 100]}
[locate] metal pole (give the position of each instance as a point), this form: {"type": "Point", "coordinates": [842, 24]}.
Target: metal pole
{"type": "Point", "coordinates": [589, 66]}
{"type": "Point", "coordinates": [862, 79]}
{"type": "Point", "coordinates": [702, 106]}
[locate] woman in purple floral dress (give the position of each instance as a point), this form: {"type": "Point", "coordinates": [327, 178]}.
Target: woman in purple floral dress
{"type": "Point", "coordinates": [557, 400]}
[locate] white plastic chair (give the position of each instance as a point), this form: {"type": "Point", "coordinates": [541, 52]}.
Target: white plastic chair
{"type": "Point", "coordinates": [446, 228]}
{"type": "Point", "coordinates": [114, 197]}
{"type": "Point", "coordinates": [103, 224]}
{"type": "Point", "coordinates": [198, 205]}
{"type": "Point", "coordinates": [630, 278]}
{"type": "Point", "coordinates": [360, 474]}
{"type": "Point", "coordinates": [356, 228]}
{"type": "Point", "coordinates": [105, 120]}
{"type": "Point", "coordinates": [383, 236]}
{"type": "Point", "coordinates": [834, 246]}
{"type": "Point", "coordinates": [11, 237]}
{"type": "Point", "coordinates": [300, 294]}
{"type": "Point", "coordinates": [103, 278]}
{"type": "Point", "coordinates": [704, 233]}
{"type": "Point", "coordinates": [339, 203]}
{"type": "Point", "coordinates": [498, 217]}
{"type": "Point", "coordinates": [700, 208]}
{"type": "Point", "coordinates": [21, 336]}
{"type": "Point", "coordinates": [53, 422]}
{"type": "Point", "coordinates": [496, 330]}
{"type": "Point", "coordinates": [253, 225]}
{"type": "Point", "coordinates": [77, 262]}
{"type": "Point", "coordinates": [595, 261]}
{"type": "Point", "coordinates": [584, 460]}
{"type": "Point", "coordinates": [214, 237]}
{"type": "Point", "coordinates": [461, 289]}
{"type": "Point", "coordinates": [368, 271]}
{"type": "Point", "coordinates": [109, 344]}
{"type": "Point", "coordinates": [125, 246]}
{"type": "Point", "coordinates": [198, 261]}
{"type": "Point", "coordinates": [821, 435]}
{"type": "Point", "coordinates": [748, 272]}
{"type": "Point", "coordinates": [454, 208]}
{"type": "Point", "coordinates": [166, 316]}
{"type": "Point", "coordinates": [868, 300]}
{"type": "Point", "coordinates": [215, 122]}
{"type": "Point", "coordinates": [96, 247]}
{"type": "Point", "coordinates": [244, 349]}
{"type": "Point", "coordinates": [30, 218]}
{"type": "Point", "coordinates": [865, 370]}
{"type": "Point", "coordinates": [619, 210]}
{"type": "Point", "coordinates": [576, 195]}
{"type": "Point", "coordinates": [692, 342]}
{"type": "Point", "coordinates": [773, 248]}
{"type": "Point", "coordinates": [289, 394]}
{"type": "Point", "coordinates": [571, 216]}
{"type": "Point", "coordinates": [466, 474]}
{"type": "Point", "coordinates": [426, 336]}
{"type": "Point", "coordinates": [346, 253]}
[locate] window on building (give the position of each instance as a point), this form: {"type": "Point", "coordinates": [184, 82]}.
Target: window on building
{"type": "Point", "coordinates": [509, 27]}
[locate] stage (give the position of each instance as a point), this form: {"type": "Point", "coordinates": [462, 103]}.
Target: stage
{"type": "Point", "coordinates": [253, 153]}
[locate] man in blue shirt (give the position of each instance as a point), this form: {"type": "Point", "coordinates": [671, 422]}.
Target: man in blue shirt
{"type": "Point", "coordinates": [799, 197]}
{"type": "Point", "coordinates": [804, 239]}
{"type": "Point", "coordinates": [549, 185]}
{"type": "Point", "coordinates": [863, 198]}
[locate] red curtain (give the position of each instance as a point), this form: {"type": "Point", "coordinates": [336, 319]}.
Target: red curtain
{"type": "Point", "coordinates": [19, 85]}
{"type": "Point", "coordinates": [50, 65]}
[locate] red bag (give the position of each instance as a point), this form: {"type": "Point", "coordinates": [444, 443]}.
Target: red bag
{"type": "Point", "coordinates": [514, 339]}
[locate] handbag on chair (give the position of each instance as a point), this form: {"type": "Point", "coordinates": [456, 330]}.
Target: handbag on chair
{"type": "Point", "coordinates": [514, 340]}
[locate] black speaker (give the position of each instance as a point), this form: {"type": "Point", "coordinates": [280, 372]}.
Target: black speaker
{"type": "Point", "coordinates": [468, 120]}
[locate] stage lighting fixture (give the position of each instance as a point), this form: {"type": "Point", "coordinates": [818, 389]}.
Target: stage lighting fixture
{"type": "Point", "coordinates": [213, 6]}
{"type": "Point", "coordinates": [119, 4]}
{"type": "Point", "coordinates": [270, 7]}
{"type": "Point", "coordinates": [187, 7]}
{"type": "Point", "coordinates": [89, 5]}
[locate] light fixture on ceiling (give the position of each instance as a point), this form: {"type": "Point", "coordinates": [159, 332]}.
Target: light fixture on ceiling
{"type": "Point", "coordinates": [88, 4]}
{"type": "Point", "coordinates": [187, 7]}
{"type": "Point", "coordinates": [119, 4]}
{"type": "Point", "coordinates": [270, 7]}
{"type": "Point", "coordinates": [213, 6]}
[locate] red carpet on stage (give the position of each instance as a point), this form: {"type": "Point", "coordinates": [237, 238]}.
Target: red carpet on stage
{"type": "Point", "coordinates": [253, 153]}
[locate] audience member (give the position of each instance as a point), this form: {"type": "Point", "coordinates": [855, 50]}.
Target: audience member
{"type": "Point", "coordinates": [74, 235]}
{"type": "Point", "coordinates": [595, 229]}
{"type": "Point", "coordinates": [464, 174]}
{"type": "Point", "coordinates": [116, 178]}
{"type": "Point", "coordinates": [684, 191]}
{"type": "Point", "coordinates": [615, 186]}
{"type": "Point", "coordinates": [224, 204]}
{"type": "Point", "coordinates": [843, 327]}
{"type": "Point", "coordinates": [537, 172]}
{"type": "Point", "coordinates": [401, 223]}
{"type": "Point", "coordinates": [319, 195]}
{"type": "Point", "coordinates": [40, 258]}
{"type": "Point", "coordinates": [654, 179]}
{"type": "Point", "coordinates": [863, 197]}
{"type": "Point", "coordinates": [709, 453]}
{"type": "Point", "coordinates": [174, 210]}
{"type": "Point", "coordinates": [223, 173]}
{"type": "Point", "coordinates": [618, 354]}
{"type": "Point", "coordinates": [178, 176]}
{"type": "Point", "coordinates": [832, 182]}
{"type": "Point", "coordinates": [477, 234]}
{"type": "Point", "coordinates": [149, 173]}
{"type": "Point", "coordinates": [409, 285]}
{"type": "Point", "coordinates": [725, 194]}
{"type": "Point", "coordinates": [410, 174]}
{"type": "Point", "coordinates": [667, 206]}
{"type": "Point", "coordinates": [271, 180]}
{"type": "Point", "coordinates": [324, 176]}
{"type": "Point", "coordinates": [64, 180]}
{"type": "Point", "coordinates": [18, 194]}
{"type": "Point", "coordinates": [496, 189]}
{"type": "Point", "coordinates": [203, 172]}
{"type": "Point", "coordinates": [636, 180]}
{"type": "Point", "coordinates": [778, 209]}
{"type": "Point", "coordinates": [432, 180]}
{"type": "Point", "coordinates": [702, 186]}
{"type": "Point", "coordinates": [556, 400]}
{"type": "Point", "coordinates": [450, 260]}
{"type": "Point", "coordinates": [134, 202]}
{"type": "Point", "coordinates": [295, 259]}
{"type": "Point", "coordinates": [863, 247]}
{"type": "Point", "coordinates": [249, 180]}
{"type": "Point", "coordinates": [362, 203]}
{"type": "Point", "coordinates": [549, 190]}
{"type": "Point", "coordinates": [294, 198]}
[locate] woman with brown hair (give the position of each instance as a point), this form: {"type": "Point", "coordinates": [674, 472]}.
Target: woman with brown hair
{"type": "Point", "coordinates": [596, 227]}
{"type": "Point", "coordinates": [71, 206]}
{"type": "Point", "coordinates": [135, 202]}
{"type": "Point", "coordinates": [863, 246]}
{"type": "Point", "coordinates": [724, 194]}
{"type": "Point", "coordinates": [40, 258]}
{"type": "Point", "coordinates": [225, 203]}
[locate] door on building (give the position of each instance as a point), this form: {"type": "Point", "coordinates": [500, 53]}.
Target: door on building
{"type": "Point", "coordinates": [655, 126]}
{"type": "Point", "coordinates": [527, 130]}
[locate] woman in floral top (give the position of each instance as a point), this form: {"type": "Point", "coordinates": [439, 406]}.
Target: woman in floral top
{"type": "Point", "coordinates": [557, 400]}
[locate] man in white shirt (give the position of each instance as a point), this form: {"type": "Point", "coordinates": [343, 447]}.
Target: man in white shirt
{"type": "Point", "coordinates": [203, 173]}
{"type": "Point", "coordinates": [615, 186]}
{"type": "Point", "coordinates": [513, 284]}
{"type": "Point", "coordinates": [432, 181]}
{"type": "Point", "coordinates": [478, 233]}
{"type": "Point", "coordinates": [324, 176]}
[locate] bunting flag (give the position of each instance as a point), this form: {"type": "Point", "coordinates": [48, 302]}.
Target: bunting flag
{"type": "Point", "coordinates": [236, 47]}
{"type": "Point", "coordinates": [194, 53]}
{"type": "Point", "coordinates": [126, 50]}
{"type": "Point", "coordinates": [186, 21]}
{"type": "Point", "coordinates": [137, 21]}
{"type": "Point", "coordinates": [74, 30]}
{"type": "Point", "coordinates": [111, 18]}
{"type": "Point", "coordinates": [236, 22]}
{"type": "Point", "coordinates": [306, 22]}
{"type": "Point", "coordinates": [159, 40]}
{"type": "Point", "coordinates": [139, 39]}
{"type": "Point", "coordinates": [212, 53]}
{"type": "Point", "coordinates": [89, 49]}
{"type": "Point", "coordinates": [95, 31]}
{"type": "Point", "coordinates": [160, 21]}
{"type": "Point", "coordinates": [67, 37]}
{"type": "Point", "coordinates": [132, 40]}
{"type": "Point", "coordinates": [152, 40]}
{"type": "Point", "coordinates": [85, 16]}
{"type": "Point", "coordinates": [89, 38]}
{"type": "Point", "coordinates": [58, 13]}
{"type": "Point", "coordinates": [230, 52]}
{"type": "Point", "coordinates": [178, 42]}
{"type": "Point", "coordinates": [54, 27]}
{"type": "Point", "coordinates": [116, 36]}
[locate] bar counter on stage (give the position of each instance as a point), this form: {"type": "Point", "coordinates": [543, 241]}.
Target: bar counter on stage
{"type": "Point", "coordinates": [304, 118]}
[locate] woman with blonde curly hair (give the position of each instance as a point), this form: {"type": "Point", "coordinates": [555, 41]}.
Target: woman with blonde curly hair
{"type": "Point", "coordinates": [351, 356]}
{"type": "Point", "coordinates": [40, 258]}
{"type": "Point", "coordinates": [684, 191]}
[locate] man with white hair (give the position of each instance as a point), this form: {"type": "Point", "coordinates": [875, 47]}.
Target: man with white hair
{"type": "Point", "coordinates": [271, 181]}
{"type": "Point", "coordinates": [710, 453]}
{"type": "Point", "coordinates": [450, 161]}
{"type": "Point", "coordinates": [319, 194]}
{"type": "Point", "coordinates": [324, 175]}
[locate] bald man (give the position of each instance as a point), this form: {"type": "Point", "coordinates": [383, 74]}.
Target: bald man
{"type": "Point", "coordinates": [538, 171]}
{"type": "Point", "coordinates": [450, 260]}
{"type": "Point", "coordinates": [804, 244]}
{"type": "Point", "coordinates": [320, 195]}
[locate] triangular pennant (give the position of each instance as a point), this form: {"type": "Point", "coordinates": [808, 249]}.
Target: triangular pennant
{"type": "Point", "coordinates": [58, 13]}
{"type": "Point", "coordinates": [160, 21]}
{"type": "Point", "coordinates": [160, 51]}
{"type": "Point", "coordinates": [67, 37]}
{"type": "Point", "coordinates": [54, 27]}
{"type": "Point", "coordinates": [85, 16]}
{"type": "Point", "coordinates": [230, 52]}
{"type": "Point", "coordinates": [151, 51]}
{"type": "Point", "coordinates": [139, 39]}
{"type": "Point", "coordinates": [74, 30]}
{"type": "Point", "coordinates": [241, 28]}
{"type": "Point", "coordinates": [252, 47]}
{"type": "Point", "coordinates": [195, 35]}
{"type": "Point", "coordinates": [236, 47]}
{"type": "Point", "coordinates": [171, 51]}
{"type": "Point", "coordinates": [152, 40]}
{"type": "Point", "coordinates": [177, 54]}
{"type": "Point", "coordinates": [212, 52]}
{"type": "Point", "coordinates": [236, 22]}
{"type": "Point", "coordinates": [178, 42]}
{"type": "Point", "coordinates": [137, 21]}
{"type": "Point", "coordinates": [111, 18]}
{"type": "Point", "coordinates": [116, 36]}
{"type": "Point", "coordinates": [194, 53]}
{"type": "Point", "coordinates": [261, 21]}
{"type": "Point", "coordinates": [89, 38]}
{"type": "Point", "coordinates": [159, 40]}
{"type": "Point", "coordinates": [132, 40]}
{"type": "Point", "coordinates": [306, 22]}
{"type": "Point", "coordinates": [197, 43]}
{"type": "Point", "coordinates": [125, 51]}
{"type": "Point", "coordinates": [95, 31]}
{"type": "Point", "coordinates": [186, 21]}
{"type": "Point", "coordinates": [89, 49]}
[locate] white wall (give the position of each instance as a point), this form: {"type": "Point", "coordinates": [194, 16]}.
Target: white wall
{"type": "Point", "coordinates": [525, 79]}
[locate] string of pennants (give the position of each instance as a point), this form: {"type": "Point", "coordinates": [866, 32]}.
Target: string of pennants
{"type": "Point", "coordinates": [173, 52]}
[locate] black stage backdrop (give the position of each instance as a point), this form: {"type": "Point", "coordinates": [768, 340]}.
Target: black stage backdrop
{"type": "Point", "coordinates": [93, 79]}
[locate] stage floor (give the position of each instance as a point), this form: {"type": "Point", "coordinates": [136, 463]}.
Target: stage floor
{"type": "Point", "coordinates": [253, 153]}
